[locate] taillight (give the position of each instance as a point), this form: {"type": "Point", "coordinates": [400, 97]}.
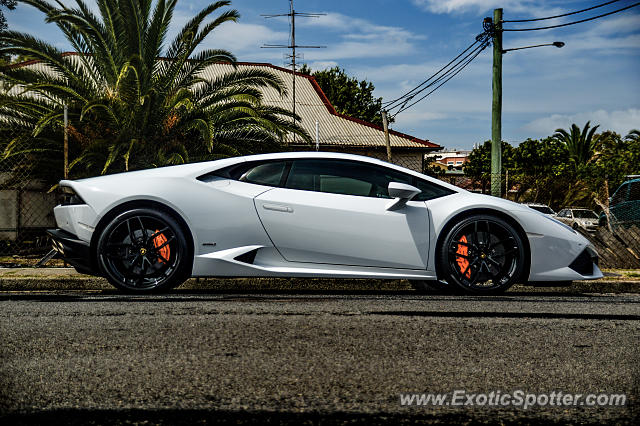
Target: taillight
{"type": "Point", "coordinates": [68, 197]}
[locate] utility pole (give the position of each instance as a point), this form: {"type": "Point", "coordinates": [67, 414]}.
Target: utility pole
{"type": "Point", "coordinates": [293, 46]}
{"type": "Point", "coordinates": [496, 106]}
{"type": "Point", "coordinates": [385, 124]}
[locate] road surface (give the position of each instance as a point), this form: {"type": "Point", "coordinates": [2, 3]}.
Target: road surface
{"type": "Point", "coordinates": [318, 356]}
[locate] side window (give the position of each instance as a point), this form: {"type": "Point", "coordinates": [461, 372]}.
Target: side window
{"type": "Point", "coordinates": [634, 191]}
{"type": "Point", "coordinates": [355, 178]}
{"type": "Point", "coordinates": [563, 213]}
{"type": "Point", "coordinates": [341, 177]}
{"type": "Point", "coordinates": [269, 174]}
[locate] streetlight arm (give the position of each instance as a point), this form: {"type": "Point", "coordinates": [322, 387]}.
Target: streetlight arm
{"type": "Point", "coordinates": [555, 43]}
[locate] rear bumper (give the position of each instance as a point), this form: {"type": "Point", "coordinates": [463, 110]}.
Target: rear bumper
{"type": "Point", "coordinates": [73, 250]}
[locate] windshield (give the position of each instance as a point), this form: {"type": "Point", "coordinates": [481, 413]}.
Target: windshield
{"type": "Point", "coordinates": [584, 214]}
{"type": "Point", "coordinates": [543, 209]}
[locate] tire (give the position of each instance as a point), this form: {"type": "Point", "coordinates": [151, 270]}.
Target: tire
{"type": "Point", "coordinates": [144, 251]}
{"type": "Point", "coordinates": [482, 254]}
{"type": "Point", "coordinates": [431, 286]}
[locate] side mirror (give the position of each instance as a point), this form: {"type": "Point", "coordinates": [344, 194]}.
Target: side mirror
{"type": "Point", "coordinates": [401, 193]}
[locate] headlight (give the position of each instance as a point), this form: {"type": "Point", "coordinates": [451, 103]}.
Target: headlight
{"type": "Point", "coordinates": [68, 197]}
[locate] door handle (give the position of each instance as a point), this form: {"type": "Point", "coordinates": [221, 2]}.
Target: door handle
{"type": "Point", "coordinates": [277, 208]}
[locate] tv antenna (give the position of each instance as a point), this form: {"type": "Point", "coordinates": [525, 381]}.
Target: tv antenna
{"type": "Point", "coordinates": [293, 46]}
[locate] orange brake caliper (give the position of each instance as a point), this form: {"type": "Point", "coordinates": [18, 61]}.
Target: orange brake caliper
{"type": "Point", "coordinates": [463, 263]}
{"type": "Point", "coordinates": [165, 252]}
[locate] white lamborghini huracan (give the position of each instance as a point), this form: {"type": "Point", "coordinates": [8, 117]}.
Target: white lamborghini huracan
{"type": "Point", "coordinates": [308, 214]}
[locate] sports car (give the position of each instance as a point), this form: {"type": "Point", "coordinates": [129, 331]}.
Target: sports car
{"type": "Point", "coordinates": [308, 214]}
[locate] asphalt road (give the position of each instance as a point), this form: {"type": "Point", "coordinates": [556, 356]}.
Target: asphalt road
{"type": "Point", "coordinates": [316, 357]}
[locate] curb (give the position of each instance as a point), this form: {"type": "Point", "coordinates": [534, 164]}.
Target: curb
{"type": "Point", "coordinates": [60, 281]}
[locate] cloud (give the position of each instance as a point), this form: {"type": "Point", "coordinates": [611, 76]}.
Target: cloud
{"type": "Point", "coordinates": [621, 121]}
{"type": "Point", "coordinates": [416, 117]}
{"type": "Point", "coordinates": [239, 37]}
{"type": "Point", "coordinates": [360, 38]}
{"type": "Point", "coordinates": [409, 75]}
{"type": "Point", "coordinates": [322, 65]}
{"type": "Point", "coordinates": [357, 27]}
{"type": "Point", "coordinates": [534, 8]}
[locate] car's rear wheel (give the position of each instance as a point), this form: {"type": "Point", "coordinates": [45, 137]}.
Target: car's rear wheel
{"type": "Point", "coordinates": [482, 254]}
{"type": "Point", "coordinates": [143, 250]}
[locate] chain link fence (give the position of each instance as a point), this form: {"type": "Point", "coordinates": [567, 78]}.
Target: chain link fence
{"type": "Point", "coordinates": [26, 204]}
{"type": "Point", "coordinates": [608, 217]}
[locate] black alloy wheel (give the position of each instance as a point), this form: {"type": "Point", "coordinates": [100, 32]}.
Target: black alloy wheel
{"type": "Point", "coordinates": [143, 251]}
{"type": "Point", "coordinates": [482, 255]}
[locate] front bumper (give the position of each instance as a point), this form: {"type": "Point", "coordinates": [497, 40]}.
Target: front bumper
{"type": "Point", "coordinates": [73, 250]}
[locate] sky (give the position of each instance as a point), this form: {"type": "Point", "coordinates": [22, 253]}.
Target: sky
{"type": "Point", "coordinates": [396, 44]}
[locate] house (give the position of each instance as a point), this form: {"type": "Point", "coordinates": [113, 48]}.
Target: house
{"type": "Point", "coordinates": [336, 132]}
{"type": "Point", "coordinates": [452, 159]}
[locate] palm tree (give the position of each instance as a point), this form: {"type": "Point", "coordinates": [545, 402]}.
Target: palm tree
{"type": "Point", "coordinates": [579, 144]}
{"type": "Point", "coordinates": [633, 136]}
{"type": "Point", "coordinates": [130, 109]}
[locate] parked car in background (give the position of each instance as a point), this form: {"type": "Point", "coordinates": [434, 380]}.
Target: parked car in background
{"type": "Point", "coordinates": [542, 208]}
{"type": "Point", "coordinates": [579, 218]}
{"type": "Point", "coordinates": [624, 205]}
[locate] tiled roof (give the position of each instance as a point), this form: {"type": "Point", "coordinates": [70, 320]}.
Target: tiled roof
{"type": "Point", "coordinates": [312, 105]}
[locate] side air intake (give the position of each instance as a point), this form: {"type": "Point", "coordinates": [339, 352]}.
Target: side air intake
{"type": "Point", "coordinates": [583, 264]}
{"type": "Point", "coordinates": [247, 257]}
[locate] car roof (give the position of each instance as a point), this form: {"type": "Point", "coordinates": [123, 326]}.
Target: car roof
{"type": "Point", "coordinates": [630, 181]}
{"type": "Point", "coordinates": [194, 170]}
{"type": "Point", "coordinates": [341, 156]}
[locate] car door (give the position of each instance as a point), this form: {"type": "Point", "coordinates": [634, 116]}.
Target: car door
{"type": "Point", "coordinates": [334, 212]}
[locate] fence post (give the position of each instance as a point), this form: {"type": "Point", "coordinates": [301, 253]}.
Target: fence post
{"type": "Point", "coordinates": [66, 141]}
{"type": "Point", "coordinates": [385, 123]}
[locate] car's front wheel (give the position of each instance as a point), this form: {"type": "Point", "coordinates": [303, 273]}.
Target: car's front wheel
{"type": "Point", "coordinates": [482, 254]}
{"type": "Point", "coordinates": [143, 251]}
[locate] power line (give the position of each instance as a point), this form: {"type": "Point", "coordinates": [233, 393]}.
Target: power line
{"type": "Point", "coordinates": [572, 23]}
{"type": "Point", "coordinates": [407, 97]}
{"type": "Point", "coordinates": [389, 104]}
{"type": "Point", "coordinates": [564, 14]}
{"type": "Point", "coordinates": [464, 65]}
{"type": "Point", "coordinates": [403, 105]}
